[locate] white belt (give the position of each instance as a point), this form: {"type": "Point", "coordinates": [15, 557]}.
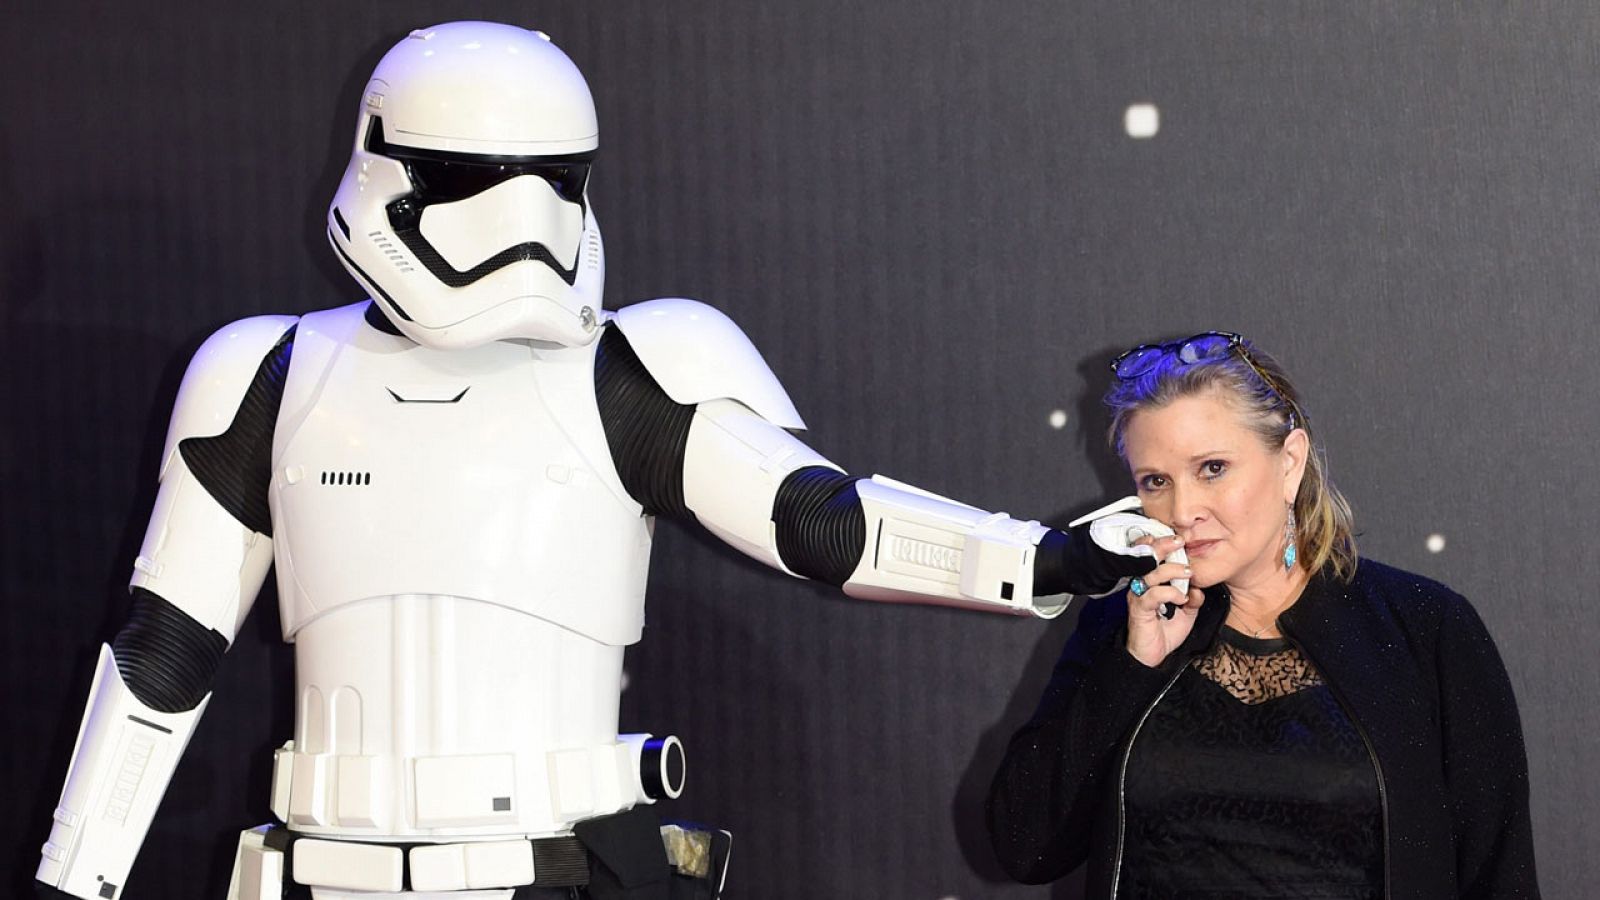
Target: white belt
{"type": "Point", "coordinates": [552, 862]}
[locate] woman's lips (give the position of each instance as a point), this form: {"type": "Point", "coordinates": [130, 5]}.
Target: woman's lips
{"type": "Point", "coordinates": [1199, 548]}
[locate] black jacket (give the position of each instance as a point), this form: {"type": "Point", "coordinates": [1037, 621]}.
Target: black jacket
{"type": "Point", "coordinates": [1412, 664]}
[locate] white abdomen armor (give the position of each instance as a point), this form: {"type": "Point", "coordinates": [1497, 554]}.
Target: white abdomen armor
{"type": "Point", "coordinates": [460, 569]}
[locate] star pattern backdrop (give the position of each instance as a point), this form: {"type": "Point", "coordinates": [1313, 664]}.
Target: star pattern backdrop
{"type": "Point", "coordinates": [937, 222]}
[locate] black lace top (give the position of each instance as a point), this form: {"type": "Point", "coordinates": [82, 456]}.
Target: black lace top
{"type": "Point", "coordinates": [1248, 780]}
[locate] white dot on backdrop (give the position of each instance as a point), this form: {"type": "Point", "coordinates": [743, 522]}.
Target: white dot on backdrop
{"type": "Point", "coordinates": [1058, 419]}
{"type": "Point", "coordinates": [1142, 121]}
{"type": "Point", "coordinates": [1435, 543]}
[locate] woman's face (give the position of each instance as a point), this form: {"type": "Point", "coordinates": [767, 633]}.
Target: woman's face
{"type": "Point", "coordinates": [1200, 469]}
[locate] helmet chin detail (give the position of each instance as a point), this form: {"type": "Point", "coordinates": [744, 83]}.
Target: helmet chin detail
{"type": "Point", "coordinates": [463, 211]}
{"type": "Point", "coordinates": [533, 318]}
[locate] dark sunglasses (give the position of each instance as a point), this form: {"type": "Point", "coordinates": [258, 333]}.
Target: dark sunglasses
{"type": "Point", "coordinates": [1198, 348]}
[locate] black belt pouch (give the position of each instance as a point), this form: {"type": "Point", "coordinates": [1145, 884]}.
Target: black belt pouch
{"type": "Point", "coordinates": [626, 858]}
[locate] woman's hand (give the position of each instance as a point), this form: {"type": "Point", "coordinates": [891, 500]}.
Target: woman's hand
{"type": "Point", "coordinates": [1150, 637]}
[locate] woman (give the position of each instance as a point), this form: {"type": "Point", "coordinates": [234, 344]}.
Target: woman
{"type": "Point", "coordinates": [1296, 724]}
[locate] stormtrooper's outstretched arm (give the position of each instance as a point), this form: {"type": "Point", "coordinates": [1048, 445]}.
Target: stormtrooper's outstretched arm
{"type": "Point", "coordinates": [206, 551]}
{"type": "Point", "coordinates": [697, 422]}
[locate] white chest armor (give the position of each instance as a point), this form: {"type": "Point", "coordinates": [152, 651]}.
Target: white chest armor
{"type": "Point", "coordinates": [459, 568]}
{"type": "Point", "coordinates": [481, 474]}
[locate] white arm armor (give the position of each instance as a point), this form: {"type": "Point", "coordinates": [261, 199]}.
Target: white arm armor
{"type": "Point", "coordinates": [915, 547]}
{"type": "Point", "coordinates": [124, 756]}
{"type": "Point", "coordinates": [697, 354]}
{"type": "Point", "coordinates": [206, 567]}
{"type": "Point", "coordinates": [924, 548]}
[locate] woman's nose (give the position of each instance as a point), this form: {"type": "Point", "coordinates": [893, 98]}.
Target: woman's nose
{"type": "Point", "coordinates": [1186, 507]}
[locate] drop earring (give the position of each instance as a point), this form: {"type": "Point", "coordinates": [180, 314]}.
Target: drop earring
{"type": "Point", "coordinates": [1289, 553]}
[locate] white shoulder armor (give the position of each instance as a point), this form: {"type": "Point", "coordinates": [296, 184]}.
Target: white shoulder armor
{"type": "Point", "coordinates": [196, 554]}
{"type": "Point", "coordinates": [697, 354]}
{"type": "Point", "coordinates": [218, 376]}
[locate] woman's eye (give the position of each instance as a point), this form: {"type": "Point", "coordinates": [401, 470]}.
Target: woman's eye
{"type": "Point", "coordinates": [1152, 482]}
{"type": "Point", "coordinates": [1213, 468]}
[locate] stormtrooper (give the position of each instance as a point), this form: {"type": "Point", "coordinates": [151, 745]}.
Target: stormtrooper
{"type": "Point", "coordinates": [457, 482]}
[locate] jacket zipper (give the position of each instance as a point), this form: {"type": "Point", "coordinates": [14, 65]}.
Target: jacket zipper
{"type": "Point", "coordinates": [1122, 779]}
{"type": "Point", "coordinates": [1377, 767]}
{"type": "Point", "coordinates": [1127, 753]}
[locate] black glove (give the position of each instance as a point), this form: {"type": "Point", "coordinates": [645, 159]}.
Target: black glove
{"type": "Point", "coordinates": [1070, 562]}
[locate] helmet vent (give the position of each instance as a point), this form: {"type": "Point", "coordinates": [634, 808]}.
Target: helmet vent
{"type": "Point", "coordinates": [387, 247]}
{"type": "Point", "coordinates": [593, 256]}
{"type": "Point", "coordinates": [347, 478]}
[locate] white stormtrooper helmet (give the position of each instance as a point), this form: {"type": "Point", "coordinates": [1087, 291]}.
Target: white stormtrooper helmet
{"type": "Point", "coordinates": [464, 210]}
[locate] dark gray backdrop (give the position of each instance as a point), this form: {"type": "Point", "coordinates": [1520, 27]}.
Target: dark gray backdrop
{"type": "Point", "coordinates": [929, 218]}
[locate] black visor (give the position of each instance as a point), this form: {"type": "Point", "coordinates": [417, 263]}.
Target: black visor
{"type": "Point", "coordinates": [440, 176]}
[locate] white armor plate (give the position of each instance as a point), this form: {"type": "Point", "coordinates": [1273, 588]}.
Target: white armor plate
{"type": "Point", "coordinates": [477, 473]}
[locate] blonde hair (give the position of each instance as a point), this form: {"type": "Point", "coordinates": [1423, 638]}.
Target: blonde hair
{"type": "Point", "coordinates": [1255, 383]}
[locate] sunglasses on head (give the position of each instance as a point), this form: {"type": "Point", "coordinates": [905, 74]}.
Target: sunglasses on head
{"type": "Point", "coordinates": [1198, 348]}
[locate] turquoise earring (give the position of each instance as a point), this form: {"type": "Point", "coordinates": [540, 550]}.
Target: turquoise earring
{"type": "Point", "coordinates": [1289, 554]}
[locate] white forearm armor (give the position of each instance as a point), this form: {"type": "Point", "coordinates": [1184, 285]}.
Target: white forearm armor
{"type": "Point", "coordinates": [197, 574]}
{"type": "Point", "coordinates": [922, 547]}
{"type": "Point", "coordinates": [123, 759]}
